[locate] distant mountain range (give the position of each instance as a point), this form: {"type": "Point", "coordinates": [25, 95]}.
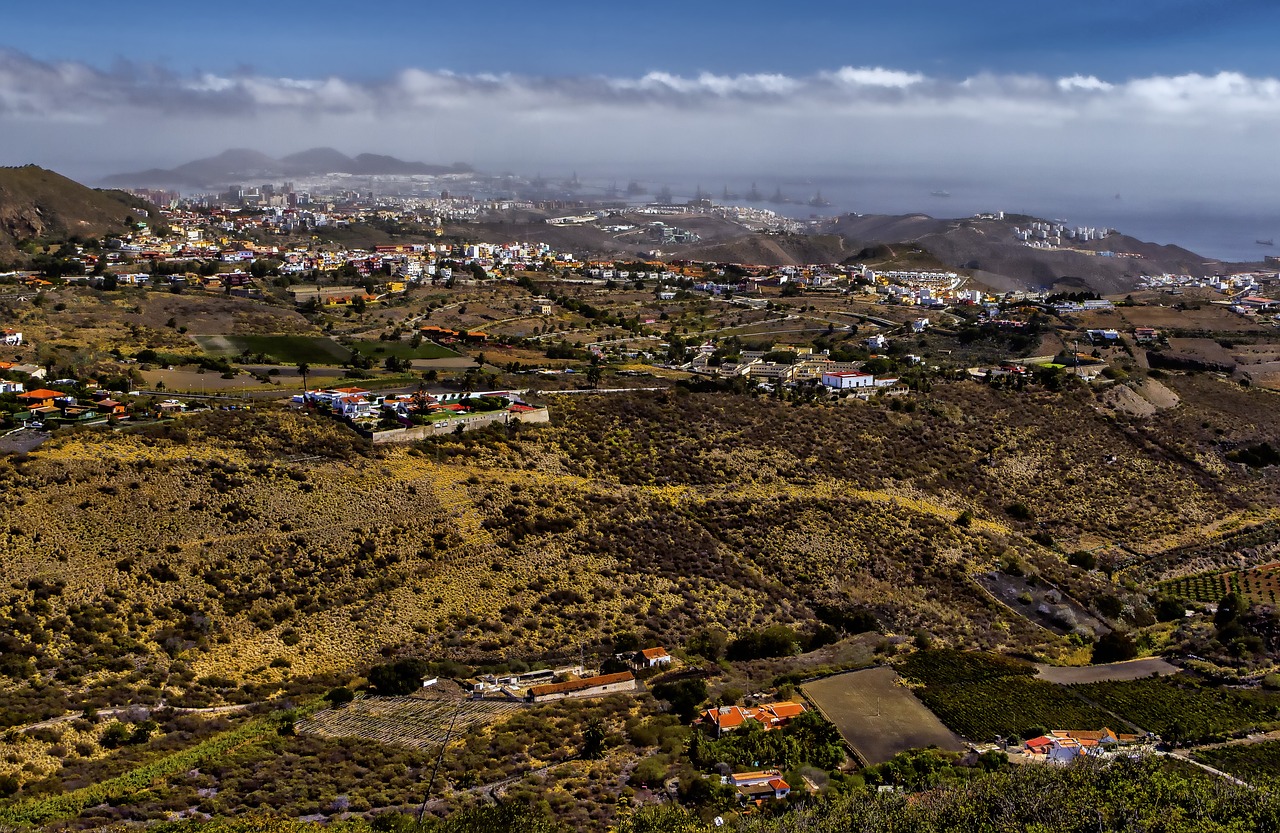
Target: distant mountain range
{"type": "Point", "coordinates": [241, 166]}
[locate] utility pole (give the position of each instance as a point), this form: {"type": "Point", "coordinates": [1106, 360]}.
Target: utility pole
{"type": "Point", "coordinates": [422, 811]}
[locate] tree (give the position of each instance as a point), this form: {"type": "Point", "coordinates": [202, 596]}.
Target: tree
{"type": "Point", "coordinates": [398, 678]}
{"type": "Point", "coordinates": [115, 735]}
{"type": "Point", "coordinates": [684, 696]}
{"type": "Point", "coordinates": [1114, 647]}
{"type": "Point", "coordinates": [708, 643]}
{"type": "Point", "coordinates": [593, 738]}
{"type": "Point", "coordinates": [303, 367]}
{"type": "Point", "coordinates": [1229, 610]}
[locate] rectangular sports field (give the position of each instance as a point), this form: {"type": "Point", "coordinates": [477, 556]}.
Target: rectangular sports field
{"type": "Point", "coordinates": [877, 716]}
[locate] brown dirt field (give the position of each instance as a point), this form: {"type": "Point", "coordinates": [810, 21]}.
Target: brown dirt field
{"type": "Point", "coordinates": [189, 381]}
{"type": "Point", "coordinates": [877, 716]}
{"type": "Point", "coordinates": [1212, 318]}
{"type": "Point", "coordinates": [1205, 349]}
{"type": "Point", "coordinates": [1132, 670]}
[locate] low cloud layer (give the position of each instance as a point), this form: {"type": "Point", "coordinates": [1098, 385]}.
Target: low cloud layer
{"type": "Point", "coordinates": [1188, 133]}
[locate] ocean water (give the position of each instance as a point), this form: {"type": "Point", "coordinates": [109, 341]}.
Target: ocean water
{"type": "Point", "coordinates": [1217, 227]}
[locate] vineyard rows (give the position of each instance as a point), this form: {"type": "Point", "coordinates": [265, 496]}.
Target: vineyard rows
{"type": "Point", "coordinates": [1012, 705]}
{"type": "Point", "coordinates": [404, 721]}
{"type": "Point", "coordinates": [1245, 760]}
{"type": "Point", "coordinates": [1185, 712]}
{"type": "Point", "coordinates": [1259, 585]}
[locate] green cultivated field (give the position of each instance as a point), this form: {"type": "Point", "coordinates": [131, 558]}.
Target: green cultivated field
{"type": "Point", "coordinates": [1007, 706]}
{"type": "Point", "coordinates": [1176, 707]}
{"type": "Point", "coordinates": [1245, 760]}
{"type": "Point", "coordinates": [282, 349]}
{"type": "Point", "coordinates": [402, 350]}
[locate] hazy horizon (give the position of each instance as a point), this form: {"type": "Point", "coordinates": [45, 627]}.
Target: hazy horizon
{"type": "Point", "coordinates": [1173, 106]}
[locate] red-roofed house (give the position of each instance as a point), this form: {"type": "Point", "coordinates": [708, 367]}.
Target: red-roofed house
{"type": "Point", "coordinates": [41, 398]}
{"type": "Point", "coordinates": [651, 657]}
{"type": "Point", "coordinates": [771, 716]}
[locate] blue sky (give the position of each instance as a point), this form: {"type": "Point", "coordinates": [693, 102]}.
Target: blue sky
{"type": "Point", "coordinates": [1112, 40]}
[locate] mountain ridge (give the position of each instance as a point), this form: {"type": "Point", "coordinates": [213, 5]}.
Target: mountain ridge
{"type": "Point", "coordinates": [39, 203]}
{"type": "Point", "coordinates": [238, 165]}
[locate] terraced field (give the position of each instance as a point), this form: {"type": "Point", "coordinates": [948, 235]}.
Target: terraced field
{"type": "Point", "coordinates": [418, 722]}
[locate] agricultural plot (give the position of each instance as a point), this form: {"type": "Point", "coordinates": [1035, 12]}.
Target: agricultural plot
{"type": "Point", "coordinates": [1258, 584]}
{"type": "Point", "coordinates": [1185, 711]}
{"type": "Point", "coordinates": [1007, 706]}
{"type": "Point", "coordinates": [402, 350]}
{"type": "Point", "coordinates": [876, 715]}
{"type": "Point", "coordinates": [405, 721]}
{"type": "Point", "coordinates": [1249, 761]}
{"type": "Point", "coordinates": [279, 348]}
{"type": "Point", "coordinates": [1131, 670]}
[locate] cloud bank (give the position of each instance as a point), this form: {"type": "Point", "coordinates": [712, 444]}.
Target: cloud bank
{"type": "Point", "coordinates": [1197, 129]}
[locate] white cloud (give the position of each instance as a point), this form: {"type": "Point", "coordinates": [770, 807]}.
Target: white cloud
{"type": "Point", "coordinates": [1023, 127]}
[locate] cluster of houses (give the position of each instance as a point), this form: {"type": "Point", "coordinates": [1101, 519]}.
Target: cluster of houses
{"type": "Point", "coordinates": [722, 719]}
{"type": "Point", "coordinates": [809, 365]}
{"type": "Point", "coordinates": [44, 406]}
{"type": "Point", "coordinates": [1062, 746]}
{"type": "Point", "coordinates": [443, 412]}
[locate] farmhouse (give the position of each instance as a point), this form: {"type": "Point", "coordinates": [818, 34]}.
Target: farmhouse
{"type": "Point", "coordinates": [728, 718]}
{"type": "Point", "coordinates": [1062, 746]}
{"type": "Point", "coordinates": [585, 687]}
{"type": "Point", "coordinates": [651, 658]}
{"type": "Point", "coordinates": [11, 338]}
{"type": "Point", "coordinates": [848, 380]}
{"type": "Point", "coordinates": [759, 785]}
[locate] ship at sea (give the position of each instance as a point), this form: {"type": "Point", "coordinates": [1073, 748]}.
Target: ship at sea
{"type": "Point", "coordinates": [939, 193]}
{"type": "Point", "coordinates": [778, 198]}
{"type": "Point", "coordinates": [1265, 242]}
{"type": "Point", "coordinates": [819, 201]}
{"type": "Point", "coordinates": [754, 194]}
{"type": "Point", "coordinates": [727, 195]}
{"type": "Point", "coordinates": [635, 189]}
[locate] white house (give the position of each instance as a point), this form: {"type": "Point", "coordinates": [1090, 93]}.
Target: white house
{"type": "Point", "coordinates": [11, 387]}
{"type": "Point", "coordinates": [651, 657]}
{"type": "Point", "coordinates": [919, 325]}
{"type": "Point", "coordinates": [877, 342]}
{"type": "Point", "coordinates": [848, 380]}
{"type": "Point", "coordinates": [12, 338]}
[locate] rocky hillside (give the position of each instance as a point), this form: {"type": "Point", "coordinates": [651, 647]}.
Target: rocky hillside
{"type": "Point", "coordinates": [990, 249]}
{"type": "Point", "coordinates": [37, 203]}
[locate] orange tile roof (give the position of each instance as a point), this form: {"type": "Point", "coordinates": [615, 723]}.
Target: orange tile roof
{"type": "Point", "coordinates": [578, 685]}
{"type": "Point", "coordinates": [785, 711]}
{"type": "Point", "coordinates": [651, 653]}
{"type": "Point", "coordinates": [42, 393]}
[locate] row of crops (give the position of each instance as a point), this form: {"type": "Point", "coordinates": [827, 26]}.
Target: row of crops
{"type": "Point", "coordinates": [946, 666]}
{"type": "Point", "coordinates": [420, 723]}
{"type": "Point", "coordinates": [1009, 706]}
{"type": "Point", "coordinates": [983, 696]}
{"type": "Point", "coordinates": [1259, 585]}
{"type": "Point", "coordinates": [1249, 761]}
{"type": "Point", "coordinates": [1181, 710]}
{"type": "Point", "coordinates": [1201, 588]}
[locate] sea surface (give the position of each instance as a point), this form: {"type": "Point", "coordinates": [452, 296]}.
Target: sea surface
{"type": "Point", "coordinates": [1216, 226]}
